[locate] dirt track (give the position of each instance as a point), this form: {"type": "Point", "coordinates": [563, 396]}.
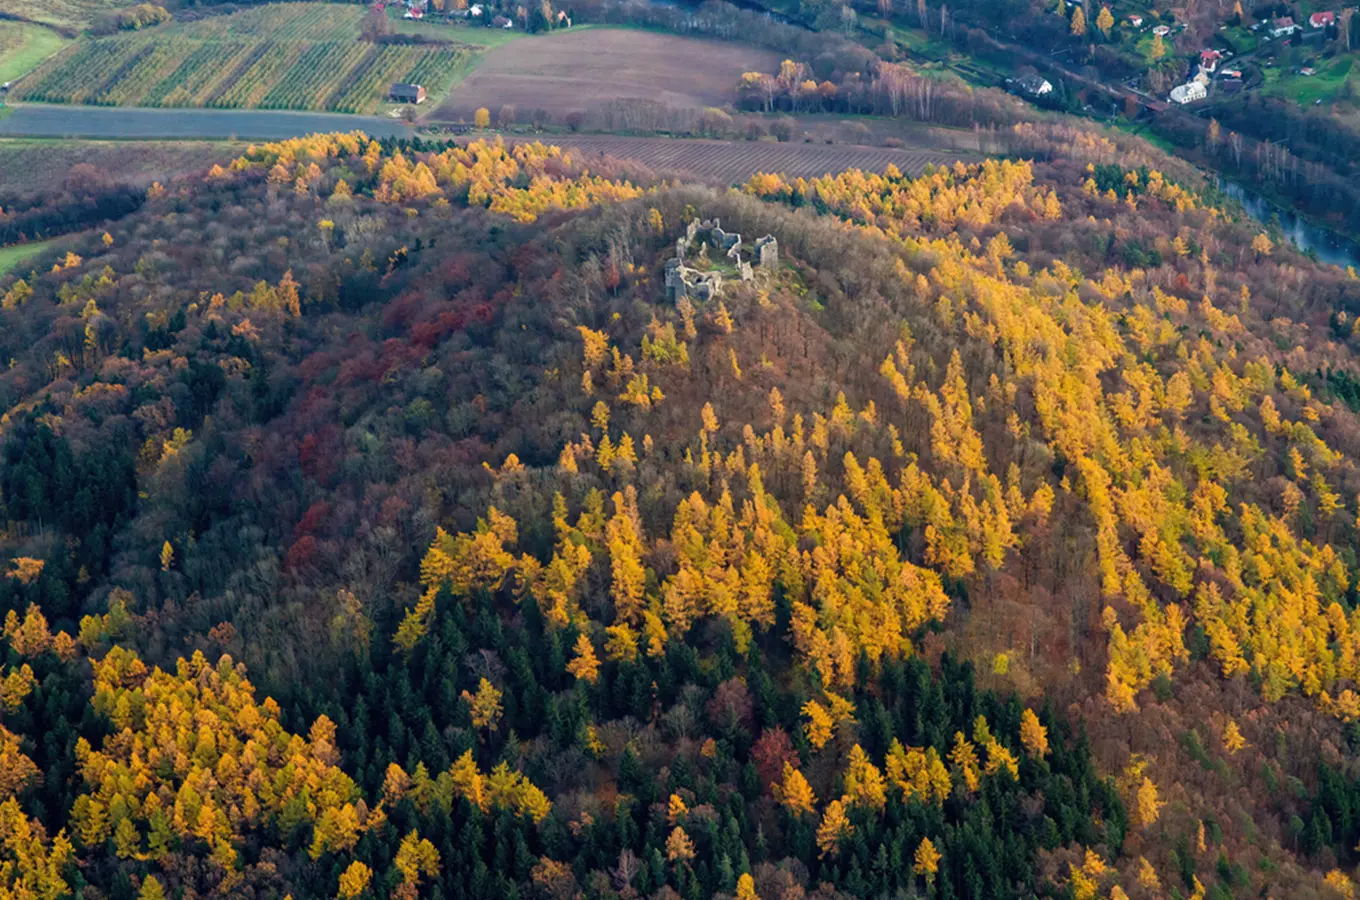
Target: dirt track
{"type": "Point", "coordinates": [575, 70]}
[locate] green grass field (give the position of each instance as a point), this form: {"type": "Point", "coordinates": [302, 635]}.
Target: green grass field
{"type": "Point", "coordinates": [460, 31]}
{"type": "Point", "coordinates": [1308, 89]}
{"type": "Point", "coordinates": [300, 56]}
{"type": "Point", "coordinates": [1244, 39]}
{"type": "Point", "coordinates": [13, 257]}
{"type": "Point", "coordinates": [23, 47]}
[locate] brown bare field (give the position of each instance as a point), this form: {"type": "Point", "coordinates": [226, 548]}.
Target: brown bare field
{"type": "Point", "coordinates": [46, 164]}
{"type": "Point", "coordinates": [578, 69]}
{"type": "Point", "coordinates": [730, 162]}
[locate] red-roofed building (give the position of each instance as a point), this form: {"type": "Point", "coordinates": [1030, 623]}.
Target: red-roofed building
{"type": "Point", "coordinates": [1283, 26]}
{"type": "Point", "coordinates": [1208, 59]}
{"type": "Point", "coordinates": [1322, 19]}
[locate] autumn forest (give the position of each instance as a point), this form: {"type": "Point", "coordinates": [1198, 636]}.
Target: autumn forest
{"type": "Point", "coordinates": [378, 524]}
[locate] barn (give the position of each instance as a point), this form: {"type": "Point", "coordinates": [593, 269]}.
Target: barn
{"type": "Point", "coordinates": [407, 93]}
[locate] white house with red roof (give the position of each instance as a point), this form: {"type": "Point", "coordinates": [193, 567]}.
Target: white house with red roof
{"type": "Point", "coordinates": [1283, 26]}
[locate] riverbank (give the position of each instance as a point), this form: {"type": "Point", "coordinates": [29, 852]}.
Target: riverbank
{"type": "Point", "coordinates": [1327, 245]}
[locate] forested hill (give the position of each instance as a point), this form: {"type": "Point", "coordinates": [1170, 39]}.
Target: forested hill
{"type": "Point", "coordinates": [378, 527]}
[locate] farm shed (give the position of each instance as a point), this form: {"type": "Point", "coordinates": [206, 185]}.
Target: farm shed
{"type": "Point", "coordinates": [407, 93]}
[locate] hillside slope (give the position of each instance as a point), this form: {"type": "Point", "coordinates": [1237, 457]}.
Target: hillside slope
{"type": "Point", "coordinates": [998, 541]}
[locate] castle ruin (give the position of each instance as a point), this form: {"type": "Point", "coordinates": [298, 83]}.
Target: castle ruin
{"type": "Point", "coordinates": [683, 280]}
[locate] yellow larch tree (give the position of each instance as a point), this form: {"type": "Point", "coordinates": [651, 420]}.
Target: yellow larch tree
{"type": "Point", "coordinates": [926, 860]}
{"type": "Point", "coordinates": [834, 826]}
{"type": "Point", "coordinates": [1340, 884]}
{"type": "Point", "coordinates": [679, 848]}
{"type": "Point", "coordinates": [919, 774]}
{"type": "Point", "coordinates": [1147, 875]}
{"type": "Point", "coordinates": [864, 785]}
{"type": "Point", "coordinates": [965, 761]}
{"type": "Point", "coordinates": [584, 664]}
{"type": "Point", "coordinates": [1147, 806]}
{"type": "Point", "coordinates": [485, 705]}
{"type": "Point", "coordinates": [1233, 740]}
{"type": "Point", "coordinates": [794, 792]}
{"type": "Point", "coordinates": [1033, 735]}
{"type": "Point", "coordinates": [416, 858]}
{"type": "Point", "coordinates": [354, 881]}
{"type": "Point", "coordinates": [818, 725]}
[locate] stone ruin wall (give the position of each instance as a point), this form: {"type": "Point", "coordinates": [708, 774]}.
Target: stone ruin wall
{"type": "Point", "coordinates": [683, 280]}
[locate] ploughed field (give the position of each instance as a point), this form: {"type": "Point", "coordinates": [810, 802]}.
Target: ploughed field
{"type": "Point", "coordinates": [729, 162]}
{"type": "Point", "coordinates": [52, 164]}
{"type": "Point", "coordinates": [579, 69]}
{"type": "Point", "coordinates": [301, 56]}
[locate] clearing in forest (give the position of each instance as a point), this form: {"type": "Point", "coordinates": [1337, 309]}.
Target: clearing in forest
{"type": "Point", "coordinates": [585, 67]}
{"type": "Point", "coordinates": [17, 255]}
{"type": "Point", "coordinates": [280, 56]}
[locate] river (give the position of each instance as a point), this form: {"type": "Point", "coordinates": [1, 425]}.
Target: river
{"type": "Point", "coordinates": [1329, 246]}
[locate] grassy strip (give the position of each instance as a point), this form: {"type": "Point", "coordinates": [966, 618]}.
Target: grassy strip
{"type": "Point", "coordinates": [17, 255]}
{"type": "Point", "coordinates": [23, 46]}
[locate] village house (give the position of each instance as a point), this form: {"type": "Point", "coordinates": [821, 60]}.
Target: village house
{"type": "Point", "coordinates": [406, 93]}
{"type": "Point", "coordinates": [1283, 26]}
{"type": "Point", "coordinates": [502, 22]}
{"type": "Point", "coordinates": [1136, 20]}
{"type": "Point", "coordinates": [1162, 30]}
{"type": "Point", "coordinates": [1322, 20]}
{"type": "Point", "coordinates": [1032, 85]}
{"type": "Point", "coordinates": [1209, 59]}
{"type": "Point", "coordinates": [1188, 93]}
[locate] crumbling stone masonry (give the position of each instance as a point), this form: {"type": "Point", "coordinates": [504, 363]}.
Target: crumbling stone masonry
{"type": "Point", "coordinates": [683, 280]}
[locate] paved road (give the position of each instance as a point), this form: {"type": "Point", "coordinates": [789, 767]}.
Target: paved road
{"type": "Point", "coordinates": [28, 120]}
